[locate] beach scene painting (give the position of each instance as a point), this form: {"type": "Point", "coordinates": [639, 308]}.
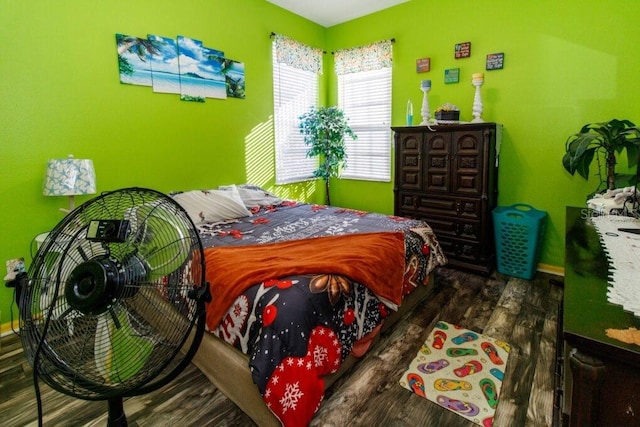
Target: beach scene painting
{"type": "Point", "coordinates": [212, 69]}
{"type": "Point", "coordinates": [189, 53]}
{"type": "Point", "coordinates": [234, 77]}
{"type": "Point", "coordinates": [133, 60]}
{"type": "Point", "coordinates": [181, 66]}
{"type": "Point", "coordinates": [165, 72]}
{"type": "Point", "coordinates": [199, 76]}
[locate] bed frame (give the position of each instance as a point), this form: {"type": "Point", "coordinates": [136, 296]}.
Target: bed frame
{"type": "Point", "coordinates": [228, 368]}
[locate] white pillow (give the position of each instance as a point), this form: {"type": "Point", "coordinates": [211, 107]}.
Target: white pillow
{"type": "Point", "coordinates": [232, 191]}
{"type": "Point", "coordinates": [252, 196]}
{"type": "Point", "coordinates": [204, 206]}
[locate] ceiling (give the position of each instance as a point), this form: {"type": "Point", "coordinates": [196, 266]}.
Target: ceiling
{"type": "Point", "coordinates": [331, 12]}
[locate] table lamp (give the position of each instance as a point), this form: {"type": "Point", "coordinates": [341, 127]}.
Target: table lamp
{"type": "Point", "coordinates": [68, 177]}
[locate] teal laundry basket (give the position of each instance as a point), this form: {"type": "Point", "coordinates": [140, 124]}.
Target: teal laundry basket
{"type": "Point", "coordinates": [518, 233]}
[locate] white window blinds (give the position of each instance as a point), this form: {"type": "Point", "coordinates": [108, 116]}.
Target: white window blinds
{"type": "Point", "coordinates": [295, 89]}
{"type": "Point", "coordinates": [364, 94]}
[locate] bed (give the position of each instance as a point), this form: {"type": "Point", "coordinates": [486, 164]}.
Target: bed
{"type": "Point", "coordinates": [299, 293]}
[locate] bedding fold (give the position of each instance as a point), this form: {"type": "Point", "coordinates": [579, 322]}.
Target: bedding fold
{"type": "Point", "coordinates": [374, 259]}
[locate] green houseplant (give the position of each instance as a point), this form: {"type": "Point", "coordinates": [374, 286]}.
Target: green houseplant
{"type": "Point", "coordinates": [605, 139]}
{"type": "Point", "coordinates": [324, 130]}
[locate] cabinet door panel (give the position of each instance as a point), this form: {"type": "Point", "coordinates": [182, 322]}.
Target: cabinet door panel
{"type": "Point", "coordinates": [409, 162]}
{"type": "Point", "coordinates": [467, 165]}
{"type": "Point", "coordinates": [438, 164]}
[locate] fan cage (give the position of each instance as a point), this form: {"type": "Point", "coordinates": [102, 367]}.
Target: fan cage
{"type": "Point", "coordinates": [140, 326]}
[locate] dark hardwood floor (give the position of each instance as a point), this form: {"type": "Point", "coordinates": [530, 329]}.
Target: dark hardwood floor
{"type": "Point", "coordinates": [523, 313]}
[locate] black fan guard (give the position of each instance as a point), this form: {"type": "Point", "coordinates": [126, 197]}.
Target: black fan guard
{"type": "Point", "coordinates": [114, 302]}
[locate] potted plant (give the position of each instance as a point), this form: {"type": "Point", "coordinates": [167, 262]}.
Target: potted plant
{"type": "Point", "coordinates": [324, 130]}
{"type": "Point", "coordinates": [606, 139]}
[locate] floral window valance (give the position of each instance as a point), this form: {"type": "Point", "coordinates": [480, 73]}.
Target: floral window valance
{"type": "Point", "coordinates": [363, 58]}
{"type": "Point", "coordinates": [298, 55]}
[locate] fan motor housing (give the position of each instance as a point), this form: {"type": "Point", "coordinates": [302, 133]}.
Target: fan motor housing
{"type": "Point", "coordinates": [94, 285]}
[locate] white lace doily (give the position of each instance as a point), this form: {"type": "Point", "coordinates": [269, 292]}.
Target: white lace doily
{"type": "Point", "coordinates": [623, 253]}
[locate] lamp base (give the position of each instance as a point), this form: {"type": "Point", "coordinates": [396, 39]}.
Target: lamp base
{"type": "Point", "coordinates": [72, 205]}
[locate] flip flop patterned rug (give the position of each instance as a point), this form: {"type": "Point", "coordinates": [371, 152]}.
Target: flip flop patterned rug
{"type": "Point", "coordinates": [460, 370]}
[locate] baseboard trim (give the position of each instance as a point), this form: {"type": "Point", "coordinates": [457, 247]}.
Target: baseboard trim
{"type": "Point", "coordinates": [551, 269]}
{"type": "Point", "coordinates": [6, 328]}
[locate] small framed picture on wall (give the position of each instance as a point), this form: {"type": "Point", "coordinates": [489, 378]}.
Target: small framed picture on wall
{"type": "Point", "coordinates": [452, 75]}
{"type": "Point", "coordinates": [423, 65]}
{"type": "Point", "coordinates": [463, 50]}
{"type": "Point", "coordinates": [495, 61]}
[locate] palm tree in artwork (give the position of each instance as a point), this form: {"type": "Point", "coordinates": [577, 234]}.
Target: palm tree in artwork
{"type": "Point", "coordinates": [136, 45]}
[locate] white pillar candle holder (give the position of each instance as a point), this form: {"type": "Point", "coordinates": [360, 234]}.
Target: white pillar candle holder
{"type": "Point", "coordinates": [477, 80]}
{"type": "Point", "coordinates": [425, 87]}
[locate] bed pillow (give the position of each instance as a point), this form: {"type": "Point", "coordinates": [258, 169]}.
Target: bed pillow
{"type": "Point", "coordinates": [206, 206]}
{"type": "Point", "coordinates": [253, 195]}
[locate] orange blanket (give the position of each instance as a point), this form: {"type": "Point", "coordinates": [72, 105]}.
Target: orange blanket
{"type": "Point", "coordinates": [375, 260]}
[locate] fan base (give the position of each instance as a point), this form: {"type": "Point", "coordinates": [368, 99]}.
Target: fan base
{"type": "Point", "coordinates": [117, 417]}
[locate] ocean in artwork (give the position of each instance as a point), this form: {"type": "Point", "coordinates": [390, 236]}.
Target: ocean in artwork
{"type": "Point", "coordinates": [164, 64]}
{"type": "Point", "coordinates": [206, 88]}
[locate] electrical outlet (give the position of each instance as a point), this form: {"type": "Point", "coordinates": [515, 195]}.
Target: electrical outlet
{"type": "Point", "coordinates": [14, 267]}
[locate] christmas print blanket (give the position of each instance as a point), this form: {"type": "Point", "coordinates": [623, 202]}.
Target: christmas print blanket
{"type": "Point", "coordinates": [295, 286]}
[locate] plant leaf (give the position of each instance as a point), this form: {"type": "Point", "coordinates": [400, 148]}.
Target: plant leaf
{"type": "Point", "coordinates": [583, 162]}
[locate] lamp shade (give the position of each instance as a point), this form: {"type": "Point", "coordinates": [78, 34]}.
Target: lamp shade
{"type": "Point", "coordinates": [68, 177]}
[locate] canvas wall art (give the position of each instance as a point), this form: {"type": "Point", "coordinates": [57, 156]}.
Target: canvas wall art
{"type": "Point", "coordinates": [234, 75]}
{"type": "Point", "coordinates": [181, 66]}
{"type": "Point", "coordinates": [133, 60]}
{"type": "Point", "coordinates": [165, 73]}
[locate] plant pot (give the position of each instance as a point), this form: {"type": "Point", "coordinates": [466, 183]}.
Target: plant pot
{"type": "Point", "coordinates": [448, 115]}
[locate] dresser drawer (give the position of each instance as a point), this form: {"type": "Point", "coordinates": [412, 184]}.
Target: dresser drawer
{"type": "Point", "coordinates": [449, 227]}
{"type": "Point", "coordinates": [428, 205]}
{"type": "Point", "coordinates": [462, 250]}
{"type": "Point", "coordinates": [452, 227]}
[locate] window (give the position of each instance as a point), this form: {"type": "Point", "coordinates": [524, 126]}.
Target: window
{"type": "Point", "coordinates": [364, 94]}
{"type": "Point", "coordinates": [295, 89]}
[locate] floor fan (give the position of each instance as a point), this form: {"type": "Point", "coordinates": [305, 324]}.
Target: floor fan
{"type": "Point", "coordinates": [113, 303]}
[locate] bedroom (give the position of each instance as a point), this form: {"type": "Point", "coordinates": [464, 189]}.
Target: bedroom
{"type": "Point", "coordinates": [565, 65]}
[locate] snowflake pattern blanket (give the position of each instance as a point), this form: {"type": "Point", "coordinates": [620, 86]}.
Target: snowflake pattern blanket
{"type": "Point", "coordinates": [297, 321]}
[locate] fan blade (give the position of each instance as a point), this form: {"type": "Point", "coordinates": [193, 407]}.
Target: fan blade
{"type": "Point", "coordinates": [120, 351]}
{"type": "Point", "coordinates": [102, 347]}
{"type": "Point", "coordinates": [163, 240]}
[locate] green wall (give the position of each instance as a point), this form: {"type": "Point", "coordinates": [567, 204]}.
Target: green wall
{"type": "Point", "coordinates": [566, 64]}
{"type": "Point", "coordinates": [60, 94]}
